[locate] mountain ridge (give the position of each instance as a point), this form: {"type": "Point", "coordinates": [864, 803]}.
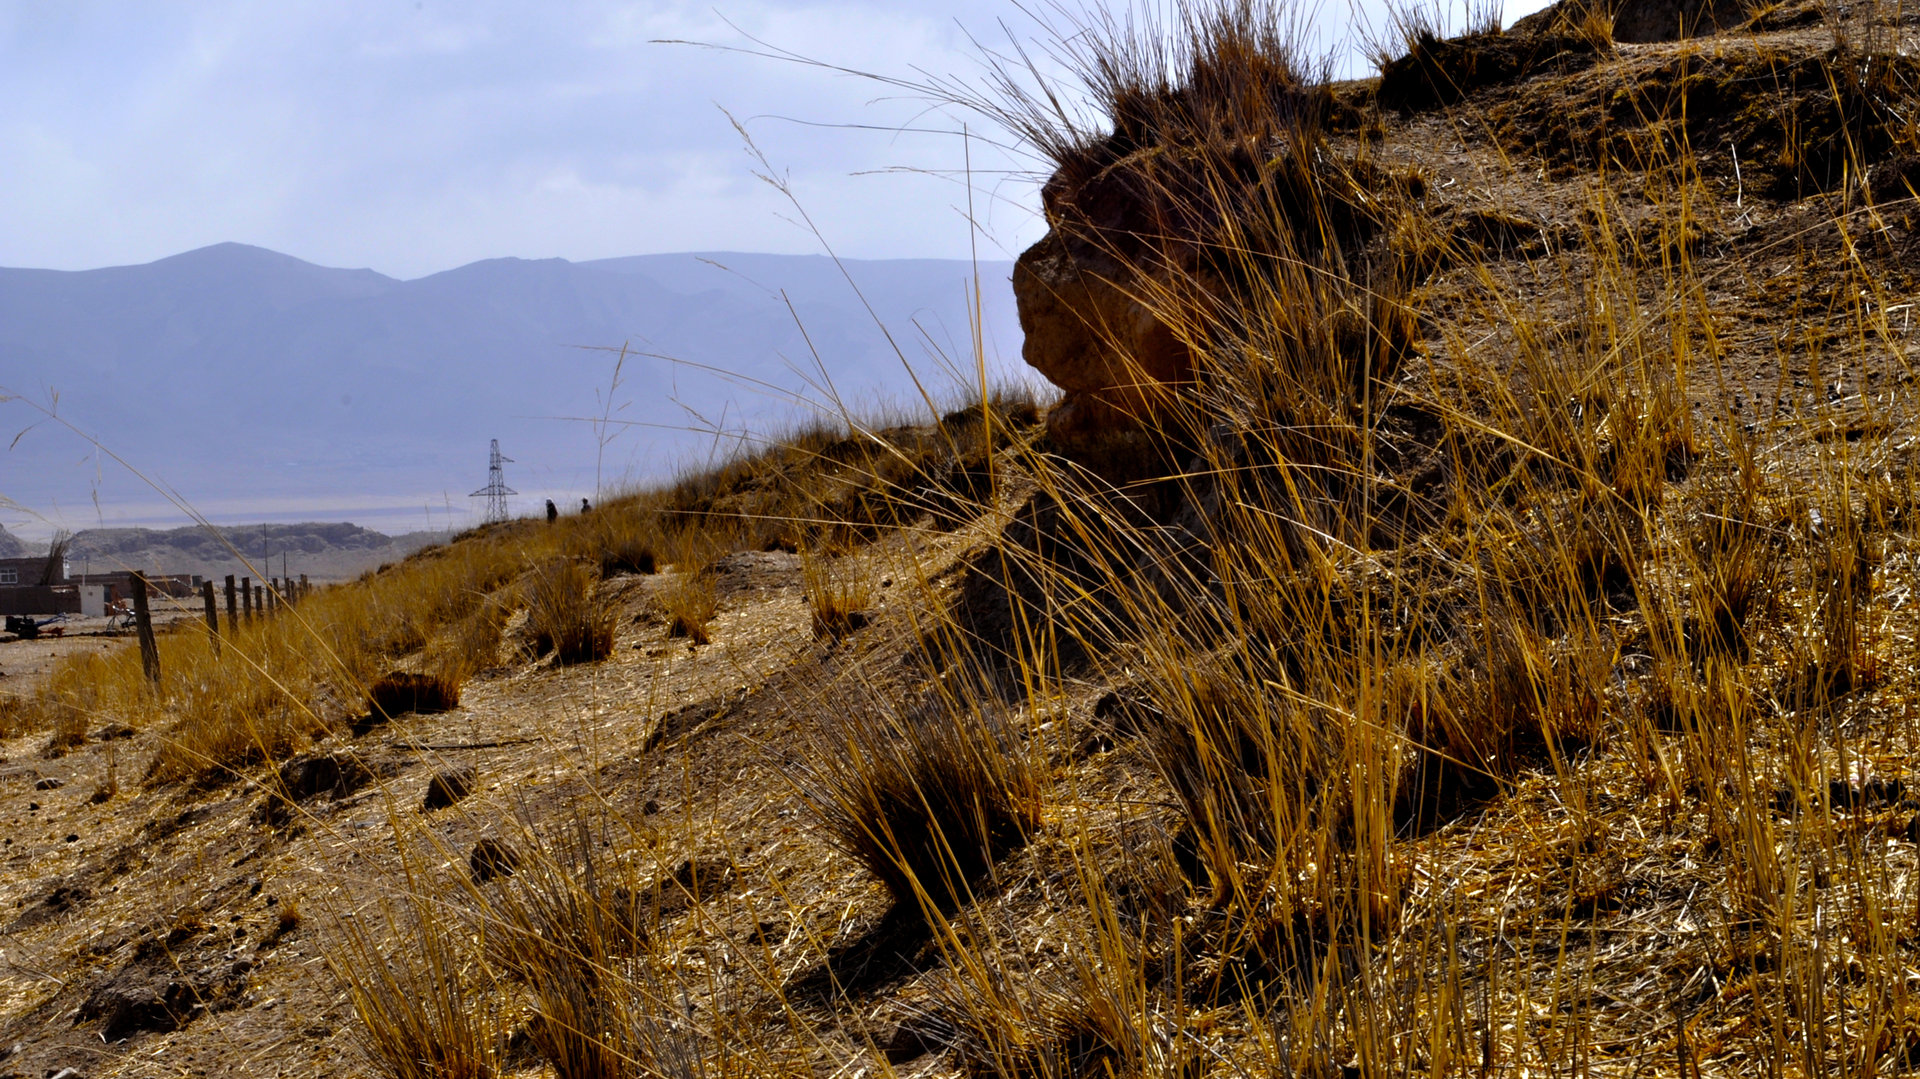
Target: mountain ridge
{"type": "Point", "coordinates": [322, 550]}
{"type": "Point", "coordinates": [240, 375]}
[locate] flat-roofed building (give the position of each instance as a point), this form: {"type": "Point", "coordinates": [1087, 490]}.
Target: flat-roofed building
{"type": "Point", "coordinates": [30, 573]}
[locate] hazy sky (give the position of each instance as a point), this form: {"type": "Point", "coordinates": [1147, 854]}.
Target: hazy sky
{"type": "Point", "coordinates": [413, 136]}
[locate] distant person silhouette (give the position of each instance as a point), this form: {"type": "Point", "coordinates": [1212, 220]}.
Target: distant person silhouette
{"type": "Point", "coordinates": [553, 512]}
{"type": "Point", "coordinates": [586, 506]}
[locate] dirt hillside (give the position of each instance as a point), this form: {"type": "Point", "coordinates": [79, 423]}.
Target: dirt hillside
{"type": "Point", "coordinates": [1481, 640]}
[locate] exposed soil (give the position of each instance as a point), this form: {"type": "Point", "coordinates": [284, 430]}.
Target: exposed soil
{"type": "Point", "coordinates": [143, 932]}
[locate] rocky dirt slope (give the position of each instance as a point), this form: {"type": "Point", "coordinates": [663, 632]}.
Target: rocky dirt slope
{"type": "Point", "coordinates": [1652, 391]}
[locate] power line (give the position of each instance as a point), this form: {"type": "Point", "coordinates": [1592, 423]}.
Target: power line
{"type": "Point", "coordinates": [496, 490]}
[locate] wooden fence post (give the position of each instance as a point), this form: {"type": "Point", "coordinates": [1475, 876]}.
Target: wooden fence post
{"type": "Point", "coordinates": [304, 587]}
{"type": "Point", "coordinates": [213, 617]}
{"type": "Point", "coordinates": [233, 611]}
{"type": "Point", "coordinates": [260, 599]}
{"type": "Point", "coordinates": [143, 624]}
{"type": "Point", "coordinates": [246, 597]}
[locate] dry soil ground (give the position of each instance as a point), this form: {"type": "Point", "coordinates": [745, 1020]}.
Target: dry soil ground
{"type": "Point", "coordinates": [112, 898]}
{"type": "Point", "coordinates": [145, 930]}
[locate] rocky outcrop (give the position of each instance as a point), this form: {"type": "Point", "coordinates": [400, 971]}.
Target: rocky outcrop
{"type": "Point", "coordinates": [1093, 329]}
{"type": "Point", "coordinates": [1160, 237]}
{"type": "Point", "coordinates": [1100, 295]}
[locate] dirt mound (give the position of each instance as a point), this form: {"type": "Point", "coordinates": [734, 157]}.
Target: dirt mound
{"type": "Point", "coordinates": [56, 900]}
{"type": "Point", "coordinates": [1787, 126]}
{"type": "Point", "coordinates": [168, 981]}
{"type": "Point", "coordinates": [334, 775]}
{"type": "Point", "coordinates": [1438, 71]}
{"type": "Point", "coordinates": [400, 692]}
{"type": "Point", "coordinates": [1645, 21]}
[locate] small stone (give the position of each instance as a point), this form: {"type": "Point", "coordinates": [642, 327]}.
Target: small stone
{"type": "Point", "coordinates": [492, 858]}
{"type": "Point", "coordinates": [73, 837]}
{"type": "Point", "coordinates": [449, 787]}
{"type": "Point", "coordinates": [335, 775]}
{"type": "Point", "coordinates": [650, 808]}
{"type": "Point", "coordinates": [1841, 795]}
{"type": "Point", "coordinates": [49, 784]}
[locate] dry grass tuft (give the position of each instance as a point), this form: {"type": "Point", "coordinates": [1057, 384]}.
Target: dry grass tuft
{"type": "Point", "coordinates": [564, 618]}
{"type": "Point", "coordinates": [471, 644]}
{"type": "Point", "coordinates": [629, 558]}
{"type": "Point", "coordinates": [572, 929]}
{"type": "Point", "coordinates": [422, 1015]}
{"type": "Point", "coordinates": [399, 692]}
{"type": "Point", "coordinates": [690, 603]}
{"type": "Point", "coordinates": [223, 729]}
{"type": "Point", "coordinates": [926, 802]}
{"type": "Point", "coordinates": [77, 695]}
{"type": "Point", "coordinates": [623, 537]}
{"type": "Point", "coordinates": [837, 595]}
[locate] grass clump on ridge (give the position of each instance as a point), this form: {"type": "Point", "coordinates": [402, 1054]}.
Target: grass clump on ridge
{"type": "Point", "coordinates": [622, 537]}
{"type": "Point", "coordinates": [563, 615]}
{"type": "Point", "coordinates": [926, 802]}
{"type": "Point", "coordinates": [837, 596]}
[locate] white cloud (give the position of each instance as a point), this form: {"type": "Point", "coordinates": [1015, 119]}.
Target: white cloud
{"type": "Point", "coordinates": [414, 136]}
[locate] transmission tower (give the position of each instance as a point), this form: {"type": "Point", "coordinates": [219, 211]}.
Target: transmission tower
{"type": "Point", "coordinates": [496, 490]}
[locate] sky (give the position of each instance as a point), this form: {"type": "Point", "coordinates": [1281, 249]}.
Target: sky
{"type": "Point", "coordinates": [413, 136]}
{"type": "Point", "coordinates": [416, 136]}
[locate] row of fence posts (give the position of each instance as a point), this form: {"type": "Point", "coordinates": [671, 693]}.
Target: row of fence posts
{"type": "Point", "coordinates": [245, 602]}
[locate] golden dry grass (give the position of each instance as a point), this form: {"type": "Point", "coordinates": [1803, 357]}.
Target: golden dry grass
{"type": "Point", "coordinates": [689, 604]}
{"type": "Point", "coordinates": [564, 617]}
{"type": "Point", "coordinates": [1513, 703]}
{"type": "Point", "coordinates": [837, 595]}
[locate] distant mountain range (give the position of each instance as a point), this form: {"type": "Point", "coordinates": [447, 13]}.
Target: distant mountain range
{"type": "Point", "coordinates": [255, 386]}
{"type": "Point", "coordinates": [321, 550]}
